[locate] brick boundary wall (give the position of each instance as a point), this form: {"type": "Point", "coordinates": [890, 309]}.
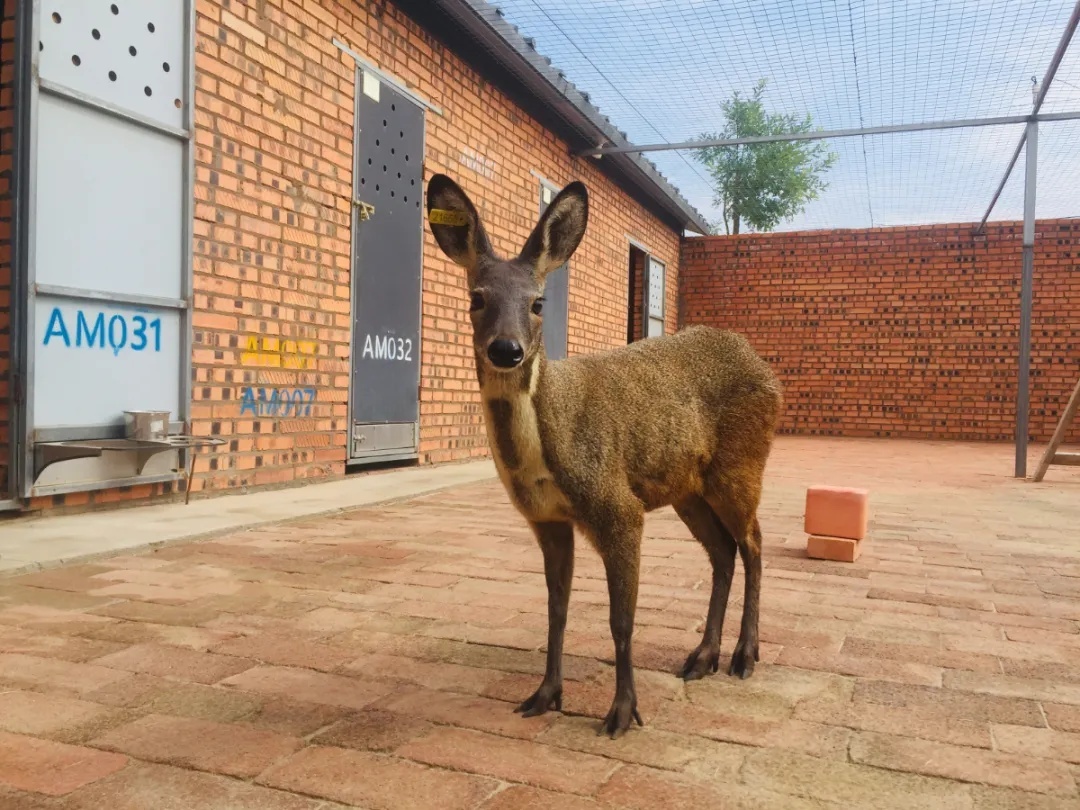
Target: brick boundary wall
{"type": "Point", "coordinates": [7, 150]}
{"type": "Point", "coordinates": [898, 332]}
{"type": "Point", "coordinates": [274, 107]}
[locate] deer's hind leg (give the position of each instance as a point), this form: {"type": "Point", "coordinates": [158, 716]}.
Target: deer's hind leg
{"type": "Point", "coordinates": [734, 501]}
{"type": "Point", "coordinates": [720, 546]}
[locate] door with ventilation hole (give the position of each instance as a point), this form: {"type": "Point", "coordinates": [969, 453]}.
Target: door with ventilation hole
{"type": "Point", "coordinates": [386, 273]}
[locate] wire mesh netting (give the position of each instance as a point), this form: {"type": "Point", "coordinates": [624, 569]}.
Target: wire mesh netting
{"type": "Point", "coordinates": [661, 70]}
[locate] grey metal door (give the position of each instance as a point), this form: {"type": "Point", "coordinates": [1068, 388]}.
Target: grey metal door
{"type": "Point", "coordinates": [386, 272]}
{"type": "Point", "coordinates": [557, 296]}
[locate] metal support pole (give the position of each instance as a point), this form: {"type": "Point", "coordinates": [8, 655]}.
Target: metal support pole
{"type": "Point", "coordinates": [1026, 294]}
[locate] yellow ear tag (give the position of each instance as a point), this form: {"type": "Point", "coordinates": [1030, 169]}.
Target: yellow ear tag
{"type": "Point", "coordinates": [440, 216]}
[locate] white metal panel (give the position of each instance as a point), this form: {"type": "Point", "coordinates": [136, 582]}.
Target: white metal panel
{"type": "Point", "coordinates": [110, 203]}
{"type": "Point", "coordinates": [130, 53]}
{"type": "Point", "coordinates": [656, 288]}
{"type": "Point", "coordinates": [94, 360]}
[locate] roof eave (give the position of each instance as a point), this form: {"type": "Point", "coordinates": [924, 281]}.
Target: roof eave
{"type": "Point", "coordinates": [484, 23]}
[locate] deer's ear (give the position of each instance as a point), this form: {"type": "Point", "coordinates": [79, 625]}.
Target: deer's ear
{"type": "Point", "coordinates": [559, 231]}
{"type": "Point", "coordinates": [455, 223]}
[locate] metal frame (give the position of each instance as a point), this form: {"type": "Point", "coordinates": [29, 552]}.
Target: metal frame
{"type": "Point", "coordinates": [1040, 97]}
{"type": "Point", "coordinates": [826, 134]}
{"type": "Point", "coordinates": [28, 288]}
{"type": "Point", "coordinates": [1023, 378]}
{"type": "Point", "coordinates": [363, 65]}
{"type": "Point", "coordinates": [24, 71]}
{"type": "Point", "coordinates": [397, 83]}
{"type": "Point", "coordinates": [646, 299]}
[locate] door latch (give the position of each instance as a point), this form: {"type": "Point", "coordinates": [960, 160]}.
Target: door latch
{"type": "Point", "coordinates": [366, 209]}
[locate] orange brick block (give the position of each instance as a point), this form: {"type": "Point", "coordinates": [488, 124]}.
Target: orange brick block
{"type": "Point", "coordinates": [837, 512]}
{"type": "Point", "coordinates": [837, 549]}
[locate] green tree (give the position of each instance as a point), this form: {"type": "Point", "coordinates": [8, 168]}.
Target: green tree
{"type": "Point", "coordinates": [761, 185]}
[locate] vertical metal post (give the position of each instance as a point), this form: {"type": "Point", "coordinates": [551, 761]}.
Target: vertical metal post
{"type": "Point", "coordinates": [1026, 294]}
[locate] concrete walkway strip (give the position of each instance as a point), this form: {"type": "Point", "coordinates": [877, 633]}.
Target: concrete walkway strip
{"type": "Point", "coordinates": [33, 543]}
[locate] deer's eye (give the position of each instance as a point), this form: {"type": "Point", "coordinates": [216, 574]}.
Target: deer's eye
{"type": "Point", "coordinates": [538, 306]}
{"type": "Point", "coordinates": [476, 301]}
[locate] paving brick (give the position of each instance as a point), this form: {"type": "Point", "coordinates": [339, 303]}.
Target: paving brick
{"type": "Point", "coordinates": [849, 784]}
{"type": "Point", "coordinates": [439, 675]}
{"type": "Point", "coordinates": [291, 651]}
{"type": "Point", "coordinates": [650, 746]}
{"type": "Point", "coordinates": [1062, 717]}
{"type": "Point", "coordinates": [899, 671]}
{"type": "Point", "coordinates": [38, 673]}
{"type": "Point", "coordinates": [930, 656]}
{"type": "Point", "coordinates": [1038, 742]}
{"type": "Point", "coordinates": [542, 766]}
{"type": "Point", "coordinates": [995, 798]}
{"type": "Point", "coordinates": [52, 768]}
{"type": "Point", "coordinates": [293, 718]}
{"type": "Point", "coordinates": [378, 782]}
{"type": "Point", "coordinates": [46, 715]}
{"type": "Point", "coordinates": [1012, 687]}
{"type": "Point", "coordinates": [467, 711]}
{"type": "Point", "coordinates": [314, 687]}
{"type": "Point", "coordinates": [522, 797]}
{"type": "Point", "coordinates": [162, 787]}
{"type": "Point", "coordinates": [812, 738]}
{"type": "Point", "coordinates": [374, 730]}
{"type": "Point", "coordinates": [950, 702]}
{"type": "Point", "coordinates": [219, 747]}
{"type": "Point", "coordinates": [639, 788]}
{"type": "Point", "coordinates": [199, 701]}
{"type": "Point", "coordinates": [36, 642]}
{"type": "Point", "coordinates": [926, 722]}
{"type": "Point", "coordinates": [965, 764]}
{"type": "Point", "coordinates": [175, 662]}
{"type": "Point", "coordinates": [128, 633]}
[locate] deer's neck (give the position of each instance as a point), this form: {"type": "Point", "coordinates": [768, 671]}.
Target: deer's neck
{"type": "Point", "coordinates": [512, 414]}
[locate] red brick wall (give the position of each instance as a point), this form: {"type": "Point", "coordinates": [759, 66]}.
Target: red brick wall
{"type": "Point", "coordinates": [274, 110]}
{"type": "Point", "coordinates": [7, 127]}
{"type": "Point", "coordinates": [903, 332]}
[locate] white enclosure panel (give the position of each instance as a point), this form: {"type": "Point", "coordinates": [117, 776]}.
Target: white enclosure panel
{"type": "Point", "coordinates": [656, 327]}
{"type": "Point", "coordinates": [110, 203]}
{"type": "Point", "coordinates": [129, 53]}
{"type": "Point", "coordinates": [656, 288]}
{"type": "Point", "coordinates": [94, 360]}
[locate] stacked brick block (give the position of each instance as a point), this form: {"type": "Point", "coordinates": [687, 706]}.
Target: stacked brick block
{"type": "Point", "coordinates": [7, 132]}
{"type": "Point", "coordinates": [836, 519]}
{"type": "Point", "coordinates": [898, 332]}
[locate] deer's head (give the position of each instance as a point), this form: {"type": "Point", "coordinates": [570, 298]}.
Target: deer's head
{"type": "Point", "coordinates": [506, 295]}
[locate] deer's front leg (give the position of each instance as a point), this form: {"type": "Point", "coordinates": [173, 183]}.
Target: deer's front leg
{"type": "Point", "coordinates": [557, 542]}
{"type": "Point", "coordinates": [620, 549]}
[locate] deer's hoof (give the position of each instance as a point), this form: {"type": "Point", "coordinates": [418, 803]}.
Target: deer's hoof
{"type": "Point", "coordinates": [622, 711]}
{"type": "Point", "coordinates": [742, 660]}
{"type": "Point", "coordinates": [544, 698]}
{"type": "Point", "coordinates": [701, 662]}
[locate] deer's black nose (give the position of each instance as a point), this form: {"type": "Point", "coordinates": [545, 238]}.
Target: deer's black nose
{"type": "Point", "coordinates": [505, 353]}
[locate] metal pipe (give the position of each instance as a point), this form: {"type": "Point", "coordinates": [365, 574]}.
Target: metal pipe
{"type": "Point", "coordinates": [1040, 97]}
{"type": "Point", "coordinates": [1026, 295]}
{"type": "Point", "coordinates": [887, 129]}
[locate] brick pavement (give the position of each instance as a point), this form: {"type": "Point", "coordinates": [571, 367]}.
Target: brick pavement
{"type": "Point", "coordinates": [372, 658]}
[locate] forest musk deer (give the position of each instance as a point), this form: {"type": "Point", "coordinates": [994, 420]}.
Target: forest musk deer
{"type": "Point", "coordinates": [596, 441]}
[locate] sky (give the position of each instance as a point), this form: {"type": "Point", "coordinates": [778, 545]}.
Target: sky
{"type": "Point", "coordinates": [660, 69]}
